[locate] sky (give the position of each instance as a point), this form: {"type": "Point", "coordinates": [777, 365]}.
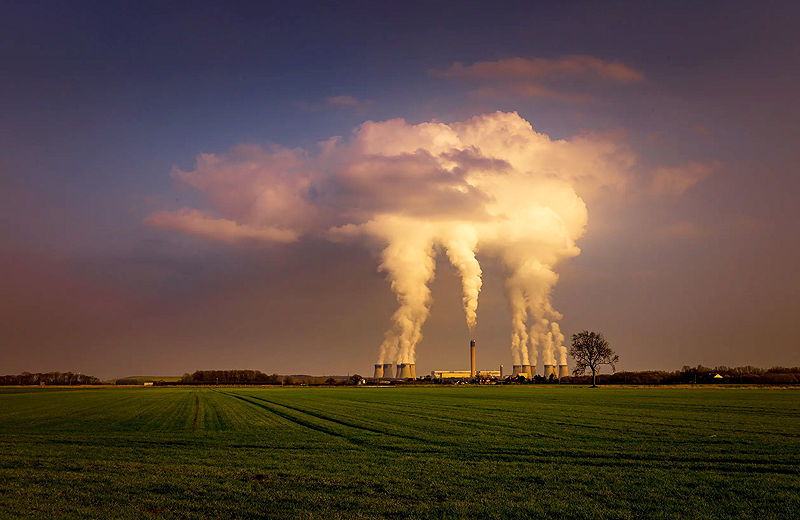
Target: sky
{"type": "Point", "coordinates": [283, 188]}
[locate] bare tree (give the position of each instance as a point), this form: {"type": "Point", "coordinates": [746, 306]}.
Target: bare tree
{"type": "Point", "coordinates": [591, 350]}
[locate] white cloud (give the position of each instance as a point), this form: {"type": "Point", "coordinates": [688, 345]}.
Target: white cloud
{"type": "Point", "coordinates": [202, 224]}
{"type": "Point", "coordinates": [541, 68]}
{"type": "Point", "coordinates": [540, 77]}
{"type": "Point", "coordinates": [676, 180]}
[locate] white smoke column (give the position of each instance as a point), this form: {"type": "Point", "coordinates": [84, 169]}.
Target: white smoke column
{"type": "Point", "coordinates": [538, 338]}
{"type": "Point", "coordinates": [519, 316]}
{"type": "Point", "coordinates": [408, 260]}
{"type": "Point", "coordinates": [461, 242]}
{"type": "Point", "coordinates": [558, 339]}
{"type": "Point", "coordinates": [528, 290]}
{"type": "Point", "coordinates": [548, 356]}
{"type": "Point", "coordinates": [389, 348]}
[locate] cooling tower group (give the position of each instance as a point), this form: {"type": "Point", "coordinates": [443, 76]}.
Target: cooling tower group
{"type": "Point", "coordinates": [558, 371]}
{"type": "Point", "coordinates": [404, 371]}
{"type": "Point", "coordinates": [408, 370]}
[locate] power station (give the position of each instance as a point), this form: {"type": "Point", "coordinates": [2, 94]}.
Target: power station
{"type": "Point", "coordinates": [408, 370]}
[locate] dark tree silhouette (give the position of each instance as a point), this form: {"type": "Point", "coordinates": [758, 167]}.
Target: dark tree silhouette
{"type": "Point", "coordinates": [591, 350]}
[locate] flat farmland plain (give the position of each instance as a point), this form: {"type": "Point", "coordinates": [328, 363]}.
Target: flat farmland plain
{"type": "Point", "coordinates": [425, 452]}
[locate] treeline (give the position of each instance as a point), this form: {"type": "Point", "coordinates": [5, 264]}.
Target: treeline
{"type": "Point", "coordinates": [231, 377]}
{"type": "Point", "coordinates": [700, 374]}
{"type": "Point", "coordinates": [256, 377]}
{"type": "Point", "coordinates": [49, 378]}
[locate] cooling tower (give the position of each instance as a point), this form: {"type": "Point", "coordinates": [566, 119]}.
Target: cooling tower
{"type": "Point", "coordinates": [563, 371]}
{"type": "Point", "coordinates": [403, 371]}
{"type": "Point", "coordinates": [378, 372]}
{"type": "Point", "coordinates": [413, 370]}
{"type": "Point", "coordinates": [472, 358]}
{"type": "Point", "coordinates": [517, 370]}
{"type": "Point", "coordinates": [549, 370]}
{"type": "Point", "coordinates": [387, 370]}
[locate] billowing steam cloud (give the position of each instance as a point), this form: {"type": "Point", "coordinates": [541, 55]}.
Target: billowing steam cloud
{"type": "Point", "coordinates": [490, 183]}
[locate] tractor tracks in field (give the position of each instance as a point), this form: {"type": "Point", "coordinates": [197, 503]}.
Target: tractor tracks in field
{"type": "Point", "coordinates": [196, 411]}
{"type": "Point", "coordinates": [302, 418]}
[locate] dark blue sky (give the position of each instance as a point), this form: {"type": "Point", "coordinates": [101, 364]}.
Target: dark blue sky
{"type": "Point", "coordinates": [99, 100]}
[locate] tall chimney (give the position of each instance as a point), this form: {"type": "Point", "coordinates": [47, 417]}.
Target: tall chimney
{"type": "Point", "coordinates": [387, 370]}
{"type": "Point", "coordinates": [378, 372]}
{"type": "Point", "coordinates": [472, 358]}
{"type": "Point", "coordinates": [501, 371]}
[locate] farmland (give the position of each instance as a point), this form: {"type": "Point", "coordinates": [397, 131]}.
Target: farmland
{"type": "Point", "coordinates": [486, 452]}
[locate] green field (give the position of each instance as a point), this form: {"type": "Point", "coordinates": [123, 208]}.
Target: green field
{"type": "Point", "coordinates": [441, 452]}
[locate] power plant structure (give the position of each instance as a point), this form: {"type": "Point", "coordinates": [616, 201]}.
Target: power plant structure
{"type": "Point", "coordinates": [463, 374]}
{"type": "Point", "coordinates": [406, 371]}
{"type": "Point", "coordinates": [409, 371]}
{"type": "Point", "coordinates": [472, 358]}
{"type": "Point", "coordinates": [473, 371]}
{"type": "Point", "coordinates": [529, 372]}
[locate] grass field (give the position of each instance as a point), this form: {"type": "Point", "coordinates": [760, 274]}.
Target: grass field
{"type": "Point", "coordinates": [466, 452]}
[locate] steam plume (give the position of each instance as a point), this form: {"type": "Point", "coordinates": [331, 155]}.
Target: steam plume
{"type": "Point", "coordinates": [490, 183]}
{"type": "Point", "coordinates": [409, 263]}
{"type": "Point", "coordinates": [461, 243]}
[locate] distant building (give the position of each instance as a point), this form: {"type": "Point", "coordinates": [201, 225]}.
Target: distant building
{"type": "Point", "coordinates": [148, 383]}
{"type": "Point", "coordinates": [463, 374]}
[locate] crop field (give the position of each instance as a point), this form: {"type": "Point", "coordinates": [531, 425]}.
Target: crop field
{"type": "Point", "coordinates": [437, 452]}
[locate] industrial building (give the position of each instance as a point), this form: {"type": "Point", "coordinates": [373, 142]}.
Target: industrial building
{"type": "Point", "coordinates": [464, 374]}
{"type": "Point", "coordinates": [408, 370]}
{"type": "Point", "coordinates": [472, 373]}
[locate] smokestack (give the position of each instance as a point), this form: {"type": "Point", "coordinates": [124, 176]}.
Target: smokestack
{"type": "Point", "coordinates": [563, 371]}
{"type": "Point", "coordinates": [517, 370]}
{"type": "Point", "coordinates": [378, 372]}
{"type": "Point", "coordinates": [526, 370]}
{"type": "Point", "coordinates": [549, 370]}
{"type": "Point", "coordinates": [387, 370]}
{"type": "Point", "coordinates": [501, 371]}
{"type": "Point", "coordinates": [472, 358]}
{"type": "Point", "coordinates": [413, 370]}
{"type": "Point", "coordinates": [403, 371]}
